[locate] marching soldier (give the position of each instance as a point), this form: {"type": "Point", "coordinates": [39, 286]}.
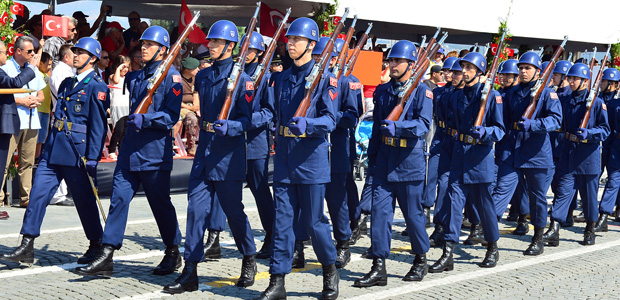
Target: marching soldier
{"type": "Point", "coordinates": [472, 163]}
{"type": "Point", "coordinates": [145, 158]}
{"type": "Point", "coordinates": [301, 165]}
{"type": "Point", "coordinates": [398, 166]}
{"type": "Point", "coordinates": [580, 160]}
{"type": "Point", "coordinates": [219, 164]}
{"type": "Point", "coordinates": [72, 151]}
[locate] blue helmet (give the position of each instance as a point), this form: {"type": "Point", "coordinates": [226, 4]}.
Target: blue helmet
{"type": "Point", "coordinates": [456, 66]}
{"type": "Point", "coordinates": [256, 41]}
{"type": "Point", "coordinates": [531, 58]}
{"type": "Point", "coordinates": [475, 59]}
{"type": "Point", "coordinates": [403, 49]}
{"type": "Point", "coordinates": [156, 34]}
{"type": "Point", "coordinates": [89, 44]}
{"type": "Point", "coordinates": [224, 30]}
{"type": "Point", "coordinates": [544, 66]}
{"type": "Point", "coordinates": [447, 64]}
{"type": "Point", "coordinates": [611, 74]}
{"type": "Point", "coordinates": [304, 27]}
{"type": "Point", "coordinates": [562, 67]}
{"type": "Point", "coordinates": [338, 45]}
{"type": "Point", "coordinates": [579, 70]}
{"type": "Point", "coordinates": [509, 67]}
{"type": "Point", "coordinates": [320, 46]}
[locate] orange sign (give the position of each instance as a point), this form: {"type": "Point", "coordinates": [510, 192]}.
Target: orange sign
{"type": "Point", "coordinates": [368, 67]}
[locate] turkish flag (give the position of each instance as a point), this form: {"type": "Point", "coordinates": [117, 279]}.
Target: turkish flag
{"type": "Point", "coordinates": [10, 49]}
{"type": "Point", "coordinates": [508, 51]}
{"type": "Point", "coordinates": [196, 36]}
{"type": "Point", "coordinates": [55, 26]}
{"type": "Point", "coordinates": [4, 18]}
{"type": "Point", "coordinates": [17, 9]}
{"type": "Point", "coordinates": [270, 20]}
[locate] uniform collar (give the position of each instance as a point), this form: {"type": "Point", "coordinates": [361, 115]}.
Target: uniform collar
{"type": "Point", "coordinates": [580, 95]}
{"type": "Point", "coordinates": [219, 66]}
{"type": "Point", "coordinates": [150, 67]}
{"type": "Point", "coordinates": [250, 68]}
{"type": "Point", "coordinates": [83, 75]}
{"type": "Point", "coordinates": [299, 72]}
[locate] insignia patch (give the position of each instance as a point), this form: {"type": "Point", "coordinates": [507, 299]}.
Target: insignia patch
{"type": "Point", "coordinates": [176, 92]}
{"type": "Point", "coordinates": [249, 97]}
{"type": "Point", "coordinates": [585, 72]}
{"type": "Point", "coordinates": [355, 85]}
{"type": "Point", "coordinates": [97, 50]}
{"type": "Point", "coordinates": [313, 32]}
{"type": "Point", "coordinates": [612, 75]}
{"type": "Point", "coordinates": [553, 96]}
{"type": "Point", "coordinates": [82, 92]}
{"type": "Point", "coordinates": [77, 108]}
{"type": "Point", "coordinates": [101, 96]}
{"type": "Point", "coordinates": [333, 95]}
{"type": "Point", "coordinates": [333, 81]}
{"type": "Point", "coordinates": [249, 85]}
{"type": "Point", "coordinates": [176, 78]}
{"type": "Point", "coordinates": [165, 38]}
{"type": "Point", "coordinates": [429, 94]}
{"type": "Point", "coordinates": [232, 33]}
{"type": "Point", "coordinates": [604, 106]}
{"type": "Point", "coordinates": [498, 99]}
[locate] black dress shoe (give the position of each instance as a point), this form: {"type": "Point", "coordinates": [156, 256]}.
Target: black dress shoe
{"type": "Point", "coordinates": [588, 235]}
{"type": "Point", "coordinates": [552, 236]}
{"type": "Point", "coordinates": [299, 260]}
{"type": "Point", "coordinates": [436, 238]}
{"type": "Point", "coordinates": [418, 270]}
{"type": "Point", "coordinates": [376, 276]}
{"type": "Point", "coordinates": [523, 226]}
{"type": "Point", "coordinates": [212, 247]}
{"type": "Point", "coordinates": [265, 250]}
{"type": "Point", "coordinates": [170, 263]}
{"type": "Point", "coordinates": [446, 261]}
{"type": "Point", "coordinates": [536, 247]}
{"type": "Point", "coordinates": [331, 279]}
{"type": "Point", "coordinates": [476, 235]}
{"type": "Point", "coordinates": [93, 251]}
{"type": "Point", "coordinates": [491, 257]}
{"type": "Point", "coordinates": [355, 233]}
{"type": "Point", "coordinates": [601, 223]}
{"type": "Point", "coordinates": [343, 254]}
{"type": "Point", "coordinates": [275, 290]}
{"type": "Point", "coordinates": [187, 282]}
{"type": "Point", "coordinates": [248, 271]}
{"type": "Point", "coordinates": [103, 265]}
{"type": "Point", "coordinates": [404, 232]}
{"type": "Point", "coordinates": [427, 213]}
{"type": "Point", "coordinates": [22, 254]}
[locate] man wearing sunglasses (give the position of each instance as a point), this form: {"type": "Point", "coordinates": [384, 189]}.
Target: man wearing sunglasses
{"type": "Point", "coordinates": [53, 44]}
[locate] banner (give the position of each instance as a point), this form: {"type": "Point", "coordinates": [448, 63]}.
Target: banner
{"type": "Point", "coordinates": [270, 19]}
{"type": "Point", "coordinates": [196, 36]}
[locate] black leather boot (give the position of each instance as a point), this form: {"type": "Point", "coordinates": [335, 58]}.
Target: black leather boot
{"type": "Point", "coordinates": [491, 257]}
{"type": "Point", "coordinates": [601, 223]}
{"type": "Point", "coordinates": [366, 253]}
{"type": "Point", "coordinates": [523, 227]}
{"type": "Point", "coordinates": [376, 276]}
{"type": "Point", "coordinates": [212, 247]}
{"type": "Point", "coordinates": [275, 290]}
{"type": "Point", "coordinates": [536, 247]}
{"type": "Point", "coordinates": [617, 218]}
{"type": "Point", "coordinates": [446, 261]}
{"type": "Point", "coordinates": [418, 270]}
{"type": "Point", "coordinates": [475, 235]}
{"type": "Point", "coordinates": [103, 265]}
{"type": "Point", "coordinates": [581, 218]}
{"type": "Point", "coordinates": [93, 251]}
{"type": "Point", "coordinates": [436, 238]}
{"type": "Point", "coordinates": [355, 233]}
{"type": "Point", "coordinates": [265, 250]}
{"type": "Point", "coordinates": [552, 236]}
{"type": "Point", "coordinates": [248, 271]}
{"type": "Point", "coordinates": [187, 282]}
{"type": "Point", "coordinates": [404, 232]}
{"type": "Point", "coordinates": [170, 263]}
{"type": "Point", "coordinates": [427, 213]}
{"type": "Point", "coordinates": [22, 254]}
{"type": "Point", "coordinates": [331, 279]}
{"type": "Point", "coordinates": [364, 224]}
{"type": "Point", "coordinates": [588, 235]}
{"type": "Point", "coordinates": [299, 260]}
{"type": "Point", "coordinates": [343, 254]}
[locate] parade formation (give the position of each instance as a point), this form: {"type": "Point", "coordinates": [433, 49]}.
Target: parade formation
{"type": "Point", "coordinates": [490, 150]}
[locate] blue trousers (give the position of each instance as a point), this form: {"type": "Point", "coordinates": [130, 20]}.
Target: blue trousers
{"type": "Point", "coordinates": [510, 189]}
{"type": "Point", "coordinates": [431, 193]}
{"type": "Point", "coordinates": [440, 214]}
{"type": "Point", "coordinates": [200, 195]}
{"type": "Point", "coordinates": [480, 195]}
{"type": "Point", "coordinates": [156, 186]}
{"type": "Point", "coordinates": [409, 196]}
{"type": "Point", "coordinates": [336, 198]}
{"type": "Point", "coordinates": [304, 201]}
{"type": "Point", "coordinates": [216, 218]}
{"type": "Point", "coordinates": [353, 198]}
{"type": "Point", "coordinates": [610, 195]}
{"type": "Point", "coordinates": [46, 181]}
{"type": "Point", "coordinates": [365, 205]}
{"type": "Point", "coordinates": [568, 184]}
{"type": "Point", "coordinates": [258, 181]}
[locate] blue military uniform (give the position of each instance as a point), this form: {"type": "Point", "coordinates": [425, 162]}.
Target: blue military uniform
{"type": "Point", "coordinates": [353, 197]}
{"type": "Point", "coordinates": [612, 143]}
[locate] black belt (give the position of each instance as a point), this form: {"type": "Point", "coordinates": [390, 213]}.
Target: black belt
{"type": "Point", "coordinates": [286, 132]}
{"type": "Point", "coordinates": [468, 139]}
{"type": "Point", "coordinates": [60, 125]}
{"type": "Point", "coordinates": [573, 138]}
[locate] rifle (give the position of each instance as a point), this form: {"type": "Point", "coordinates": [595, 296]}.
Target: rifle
{"type": "Point", "coordinates": [541, 84]}
{"type": "Point", "coordinates": [488, 85]}
{"type": "Point", "coordinates": [312, 81]}
{"type": "Point", "coordinates": [262, 67]}
{"type": "Point", "coordinates": [161, 71]}
{"type": "Point", "coordinates": [412, 83]}
{"type": "Point", "coordinates": [486, 49]}
{"type": "Point", "coordinates": [422, 46]}
{"type": "Point", "coordinates": [235, 74]}
{"type": "Point", "coordinates": [594, 90]}
{"type": "Point", "coordinates": [431, 43]}
{"type": "Point", "coordinates": [15, 91]}
{"type": "Point", "coordinates": [540, 51]}
{"type": "Point", "coordinates": [475, 49]}
{"type": "Point", "coordinates": [345, 48]}
{"type": "Point", "coordinates": [592, 66]}
{"type": "Point", "coordinates": [348, 68]}
{"type": "Point", "coordinates": [570, 56]}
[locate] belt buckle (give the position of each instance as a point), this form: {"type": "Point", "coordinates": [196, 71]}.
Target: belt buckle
{"type": "Point", "coordinates": [59, 125]}
{"type": "Point", "coordinates": [469, 139]}
{"type": "Point", "coordinates": [390, 141]}
{"type": "Point", "coordinates": [573, 138]}
{"type": "Point", "coordinates": [287, 132]}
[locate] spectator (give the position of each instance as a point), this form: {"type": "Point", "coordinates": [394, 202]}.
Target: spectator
{"type": "Point", "coordinates": [35, 27]}
{"type": "Point", "coordinates": [436, 77]}
{"type": "Point", "coordinates": [102, 67]}
{"type": "Point", "coordinates": [53, 44]}
{"type": "Point", "coordinates": [63, 69]}
{"type": "Point", "coordinates": [281, 50]}
{"type": "Point", "coordinates": [452, 53]}
{"type": "Point", "coordinates": [26, 141]}
{"type": "Point", "coordinates": [113, 41]}
{"type": "Point", "coordinates": [119, 103]}
{"type": "Point", "coordinates": [191, 103]}
{"type": "Point", "coordinates": [132, 35]}
{"type": "Point", "coordinates": [204, 59]}
{"type": "Point", "coordinates": [136, 59]}
{"type": "Point", "coordinates": [20, 20]}
{"type": "Point", "coordinates": [83, 27]}
{"type": "Point", "coordinates": [45, 65]}
{"type": "Point", "coordinates": [143, 27]}
{"type": "Point", "coordinates": [463, 53]}
{"type": "Point", "coordinates": [276, 64]}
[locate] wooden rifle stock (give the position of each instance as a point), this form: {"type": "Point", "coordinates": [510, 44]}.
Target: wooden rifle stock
{"type": "Point", "coordinates": [594, 91]}
{"type": "Point", "coordinates": [257, 77]}
{"type": "Point", "coordinates": [428, 47]}
{"type": "Point", "coordinates": [338, 67]}
{"type": "Point", "coordinates": [542, 82]}
{"type": "Point", "coordinates": [161, 71]}
{"type": "Point", "coordinates": [235, 74]}
{"type": "Point", "coordinates": [488, 85]}
{"type": "Point", "coordinates": [348, 68]}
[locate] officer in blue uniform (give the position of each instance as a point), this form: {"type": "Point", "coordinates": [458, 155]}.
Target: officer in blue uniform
{"type": "Point", "coordinates": [145, 158]}
{"type": "Point", "coordinates": [72, 149]}
{"type": "Point", "coordinates": [611, 149]}
{"type": "Point", "coordinates": [398, 166]}
{"type": "Point", "coordinates": [219, 164]}
{"type": "Point", "coordinates": [301, 165]}
{"type": "Point", "coordinates": [471, 170]}
{"type": "Point", "coordinates": [580, 160]}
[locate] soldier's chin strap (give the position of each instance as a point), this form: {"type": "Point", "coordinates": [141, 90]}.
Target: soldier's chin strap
{"type": "Point", "coordinates": [531, 79]}
{"type": "Point", "coordinates": [304, 53]}
{"type": "Point", "coordinates": [406, 70]}
{"type": "Point", "coordinates": [580, 83]}
{"type": "Point", "coordinates": [86, 63]}
{"type": "Point", "coordinates": [478, 73]}
{"type": "Point", "coordinates": [609, 86]}
{"type": "Point", "coordinates": [155, 55]}
{"type": "Point", "coordinates": [224, 50]}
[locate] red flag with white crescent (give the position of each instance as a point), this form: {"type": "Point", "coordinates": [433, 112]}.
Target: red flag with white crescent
{"type": "Point", "coordinates": [270, 20]}
{"type": "Point", "coordinates": [196, 36]}
{"type": "Point", "coordinates": [17, 9]}
{"type": "Point", "coordinates": [55, 26]}
{"type": "Point", "coordinates": [4, 18]}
